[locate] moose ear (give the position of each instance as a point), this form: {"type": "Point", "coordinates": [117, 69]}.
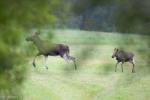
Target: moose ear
{"type": "Point", "coordinates": [116, 49]}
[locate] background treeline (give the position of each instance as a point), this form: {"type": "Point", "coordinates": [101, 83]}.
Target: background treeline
{"type": "Point", "coordinates": [99, 15]}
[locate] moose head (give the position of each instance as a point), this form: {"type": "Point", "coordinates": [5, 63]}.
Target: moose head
{"type": "Point", "coordinates": [33, 36]}
{"type": "Point", "coordinates": [115, 52]}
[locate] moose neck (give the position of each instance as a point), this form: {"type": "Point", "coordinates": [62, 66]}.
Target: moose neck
{"type": "Point", "coordinates": [40, 45]}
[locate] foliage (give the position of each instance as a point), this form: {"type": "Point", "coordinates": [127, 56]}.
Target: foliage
{"type": "Point", "coordinates": [18, 17]}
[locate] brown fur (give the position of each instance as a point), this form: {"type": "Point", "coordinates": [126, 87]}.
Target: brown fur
{"type": "Point", "coordinates": [123, 56]}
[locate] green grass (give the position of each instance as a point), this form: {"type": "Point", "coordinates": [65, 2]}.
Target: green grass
{"type": "Point", "coordinates": [95, 78]}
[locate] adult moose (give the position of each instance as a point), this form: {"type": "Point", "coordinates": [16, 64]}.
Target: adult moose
{"type": "Point", "coordinates": [46, 50]}
{"type": "Point", "coordinates": [123, 56]}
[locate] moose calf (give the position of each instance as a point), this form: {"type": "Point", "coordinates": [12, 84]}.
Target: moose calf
{"type": "Point", "coordinates": [123, 56]}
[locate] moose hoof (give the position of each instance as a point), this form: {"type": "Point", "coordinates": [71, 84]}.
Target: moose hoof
{"type": "Point", "coordinates": [47, 68]}
{"type": "Point", "coordinates": [133, 71]}
{"type": "Point", "coordinates": [33, 64]}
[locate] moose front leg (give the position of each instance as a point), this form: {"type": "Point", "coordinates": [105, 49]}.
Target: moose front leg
{"type": "Point", "coordinates": [46, 63]}
{"type": "Point", "coordinates": [116, 66]}
{"type": "Point", "coordinates": [34, 59]}
{"type": "Point", "coordinates": [122, 66]}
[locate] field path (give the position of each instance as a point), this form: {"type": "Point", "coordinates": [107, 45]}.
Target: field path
{"type": "Point", "coordinates": [109, 84]}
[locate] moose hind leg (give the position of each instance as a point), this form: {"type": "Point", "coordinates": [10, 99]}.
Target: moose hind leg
{"type": "Point", "coordinates": [122, 66]}
{"type": "Point", "coordinates": [66, 57]}
{"type": "Point", "coordinates": [74, 61]}
{"type": "Point", "coordinates": [133, 66]}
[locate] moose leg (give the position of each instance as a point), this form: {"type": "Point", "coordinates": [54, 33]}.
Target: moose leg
{"type": "Point", "coordinates": [116, 66]}
{"type": "Point", "coordinates": [46, 63]}
{"type": "Point", "coordinates": [67, 57]}
{"type": "Point", "coordinates": [133, 64]}
{"type": "Point", "coordinates": [122, 66]}
{"type": "Point", "coordinates": [34, 60]}
{"type": "Point", "coordinates": [74, 61]}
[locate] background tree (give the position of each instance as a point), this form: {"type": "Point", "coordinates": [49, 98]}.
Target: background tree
{"type": "Point", "coordinates": [129, 16]}
{"type": "Point", "coordinates": [18, 17]}
{"type": "Point", "coordinates": [133, 16]}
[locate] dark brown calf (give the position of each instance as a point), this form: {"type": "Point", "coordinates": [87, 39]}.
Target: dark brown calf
{"type": "Point", "coordinates": [122, 56]}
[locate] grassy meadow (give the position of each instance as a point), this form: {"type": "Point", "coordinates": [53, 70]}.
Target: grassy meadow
{"type": "Point", "coordinates": [95, 78]}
